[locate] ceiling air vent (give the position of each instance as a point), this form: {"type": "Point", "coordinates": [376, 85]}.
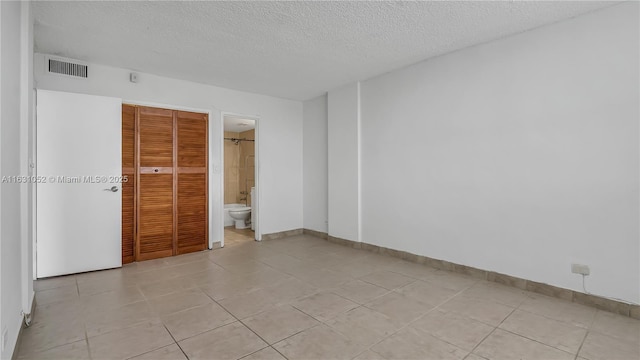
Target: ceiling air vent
{"type": "Point", "coordinates": [67, 68]}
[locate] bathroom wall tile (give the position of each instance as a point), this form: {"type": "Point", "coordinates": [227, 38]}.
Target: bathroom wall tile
{"type": "Point", "coordinates": [231, 173]}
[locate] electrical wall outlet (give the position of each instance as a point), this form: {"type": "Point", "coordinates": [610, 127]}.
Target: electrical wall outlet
{"type": "Point", "coordinates": [580, 269]}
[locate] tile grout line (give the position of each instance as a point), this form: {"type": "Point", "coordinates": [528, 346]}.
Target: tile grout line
{"type": "Point", "coordinates": [595, 314]}
{"type": "Point", "coordinates": [386, 293]}
{"type": "Point", "coordinates": [258, 257]}
{"type": "Point", "coordinates": [174, 340]}
{"type": "Point", "coordinates": [296, 333]}
{"type": "Point", "coordinates": [586, 333]}
{"type": "Point", "coordinates": [84, 323]}
{"type": "Point", "coordinates": [245, 325]}
{"type": "Point", "coordinates": [255, 352]}
{"type": "Point", "coordinates": [540, 342]}
{"type": "Point", "coordinates": [413, 321]}
{"type": "Point", "coordinates": [536, 341]}
{"type": "Point", "coordinates": [490, 333]}
{"type": "Point", "coordinates": [551, 318]}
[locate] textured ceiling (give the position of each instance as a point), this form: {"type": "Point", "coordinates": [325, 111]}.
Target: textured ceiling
{"type": "Point", "coordinates": [295, 50]}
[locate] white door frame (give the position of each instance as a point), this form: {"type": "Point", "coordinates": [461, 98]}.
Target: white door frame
{"type": "Point", "coordinates": [258, 201]}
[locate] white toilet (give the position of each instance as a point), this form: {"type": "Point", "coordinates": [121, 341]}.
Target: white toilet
{"type": "Point", "coordinates": [240, 215]}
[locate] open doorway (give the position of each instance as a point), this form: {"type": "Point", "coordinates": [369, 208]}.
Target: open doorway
{"type": "Point", "coordinates": [240, 179]}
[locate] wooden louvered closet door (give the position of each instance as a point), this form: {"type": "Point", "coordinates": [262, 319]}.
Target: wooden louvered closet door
{"type": "Point", "coordinates": [155, 190]}
{"type": "Point", "coordinates": [169, 191]}
{"type": "Point", "coordinates": [192, 182]}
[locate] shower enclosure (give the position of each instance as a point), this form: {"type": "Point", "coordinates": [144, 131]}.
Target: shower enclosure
{"type": "Point", "coordinates": [249, 178]}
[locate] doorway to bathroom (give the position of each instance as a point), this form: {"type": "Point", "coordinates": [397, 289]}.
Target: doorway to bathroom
{"type": "Point", "coordinates": [240, 179]}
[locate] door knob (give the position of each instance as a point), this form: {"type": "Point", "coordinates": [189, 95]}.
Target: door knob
{"type": "Point", "coordinates": [113, 189]}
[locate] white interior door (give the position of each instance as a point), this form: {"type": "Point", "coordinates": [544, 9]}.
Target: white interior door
{"type": "Point", "coordinates": [78, 166]}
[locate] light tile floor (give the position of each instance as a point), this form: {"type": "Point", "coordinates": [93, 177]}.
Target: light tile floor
{"type": "Point", "coordinates": [233, 236]}
{"type": "Point", "coordinates": [304, 298]}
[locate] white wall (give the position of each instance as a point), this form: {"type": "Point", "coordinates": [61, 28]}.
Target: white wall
{"type": "Point", "coordinates": [16, 289]}
{"type": "Point", "coordinates": [519, 156]}
{"type": "Point", "coordinates": [27, 152]}
{"type": "Point", "coordinates": [343, 162]}
{"type": "Point", "coordinates": [315, 188]}
{"type": "Point", "coordinates": [280, 131]}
